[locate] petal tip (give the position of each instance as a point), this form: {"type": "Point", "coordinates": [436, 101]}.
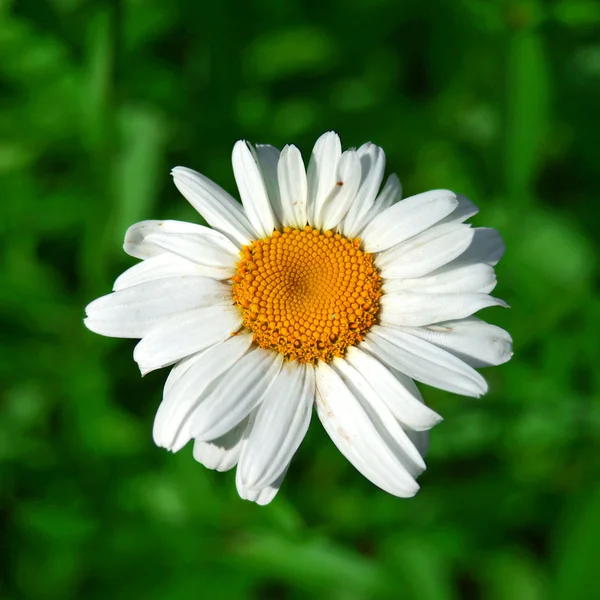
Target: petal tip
{"type": "Point", "coordinates": [411, 492]}
{"type": "Point", "coordinates": [95, 327]}
{"type": "Point", "coordinates": [483, 390]}
{"type": "Point", "coordinates": [178, 171]}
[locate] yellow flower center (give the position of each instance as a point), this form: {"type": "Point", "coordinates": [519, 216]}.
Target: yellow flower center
{"type": "Point", "coordinates": [307, 294]}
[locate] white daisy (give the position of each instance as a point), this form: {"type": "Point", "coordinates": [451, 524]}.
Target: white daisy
{"type": "Point", "coordinates": [319, 290]}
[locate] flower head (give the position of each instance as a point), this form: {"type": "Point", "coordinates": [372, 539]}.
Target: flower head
{"type": "Point", "coordinates": [319, 290]}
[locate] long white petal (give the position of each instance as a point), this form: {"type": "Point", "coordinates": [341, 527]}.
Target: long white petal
{"type": "Point", "coordinates": [212, 260]}
{"type": "Point", "coordinates": [136, 238]}
{"type": "Point", "coordinates": [423, 253]}
{"type": "Point", "coordinates": [322, 170]}
{"type": "Point", "coordinates": [465, 210]}
{"type": "Point", "coordinates": [197, 248]}
{"type": "Point", "coordinates": [223, 453]}
{"type": "Point", "coordinates": [407, 218]}
{"type": "Point", "coordinates": [166, 265]}
{"type": "Point", "coordinates": [343, 193]}
{"type": "Point", "coordinates": [412, 309]}
{"type": "Point", "coordinates": [372, 162]}
{"type": "Point", "coordinates": [381, 417]}
{"type": "Point", "coordinates": [279, 427]}
{"type": "Point", "coordinates": [433, 233]}
{"type": "Point", "coordinates": [218, 208]}
{"type": "Point", "coordinates": [169, 402]}
{"type": "Point", "coordinates": [292, 187]}
{"type": "Point", "coordinates": [399, 393]}
{"type": "Point", "coordinates": [136, 311]}
{"type": "Point", "coordinates": [186, 334]}
{"type": "Point", "coordinates": [182, 396]}
{"type": "Point", "coordinates": [477, 278]}
{"type": "Point", "coordinates": [235, 396]}
{"type": "Point", "coordinates": [486, 246]}
{"type": "Point", "coordinates": [261, 496]}
{"type": "Point", "coordinates": [419, 438]}
{"type": "Point", "coordinates": [424, 361]}
{"type": "Point", "coordinates": [178, 370]}
{"type": "Point", "coordinates": [390, 194]}
{"type": "Point", "coordinates": [268, 160]}
{"type": "Point", "coordinates": [352, 430]}
{"type": "Point", "coordinates": [474, 341]}
{"type": "Point", "coordinates": [253, 190]}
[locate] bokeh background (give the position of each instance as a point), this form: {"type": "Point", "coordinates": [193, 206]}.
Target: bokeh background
{"type": "Point", "coordinates": [99, 99]}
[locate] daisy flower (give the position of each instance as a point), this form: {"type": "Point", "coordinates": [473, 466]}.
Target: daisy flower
{"type": "Point", "coordinates": [319, 290]}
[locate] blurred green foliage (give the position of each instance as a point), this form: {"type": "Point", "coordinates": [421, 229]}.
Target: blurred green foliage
{"type": "Point", "coordinates": [98, 99]}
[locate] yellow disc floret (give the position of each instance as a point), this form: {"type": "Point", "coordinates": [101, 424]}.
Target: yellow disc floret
{"type": "Point", "coordinates": [307, 294]}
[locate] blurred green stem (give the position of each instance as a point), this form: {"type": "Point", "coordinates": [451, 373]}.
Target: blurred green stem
{"type": "Point", "coordinates": [526, 112]}
{"type": "Point", "coordinates": [99, 131]}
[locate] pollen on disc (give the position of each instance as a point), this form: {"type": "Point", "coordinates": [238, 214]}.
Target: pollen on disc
{"type": "Point", "coordinates": [307, 294]}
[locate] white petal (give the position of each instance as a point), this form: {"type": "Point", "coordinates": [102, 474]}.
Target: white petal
{"type": "Point", "coordinates": [137, 245]}
{"type": "Point", "coordinates": [343, 193]}
{"type": "Point", "coordinates": [253, 190]}
{"type": "Point", "coordinates": [465, 210]}
{"type": "Point", "coordinates": [412, 309]}
{"type": "Point", "coordinates": [487, 247]}
{"type": "Point", "coordinates": [235, 396]}
{"type": "Point", "coordinates": [419, 438]}
{"type": "Point", "coordinates": [223, 453]}
{"type": "Point", "coordinates": [183, 393]}
{"type": "Point", "coordinates": [407, 218]}
{"type": "Point", "coordinates": [217, 207]}
{"type": "Point", "coordinates": [292, 187]}
{"type": "Point", "coordinates": [437, 231]}
{"type": "Point", "coordinates": [425, 252]}
{"type": "Point", "coordinates": [179, 369]}
{"type": "Point", "coordinates": [372, 162]}
{"type": "Point", "coordinates": [186, 334]}
{"type": "Point", "coordinates": [198, 250]}
{"type": "Point", "coordinates": [399, 393]}
{"type": "Point", "coordinates": [279, 427]}
{"type": "Point", "coordinates": [166, 265]}
{"type": "Point", "coordinates": [260, 496]}
{"type": "Point", "coordinates": [198, 247]}
{"type": "Point", "coordinates": [353, 432]}
{"type": "Point", "coordinates": [474, 341]}
{"type": "Point", "coordinates": [390, 194]}
{"type": "Point", "coordinates": [268, 160]}
{"type": "Point", "coordinates": [322, 171]}
{"type": "Point", "coordinates": [381, 417]}
{"type": "Point", "coordinates": [135, 311]}
{"type": "Point", "coordinates": [478, 278]}
{"type": "Point", "coordinates": [424, 361]}
{"type": "Point", "coordinates": [170, 402]}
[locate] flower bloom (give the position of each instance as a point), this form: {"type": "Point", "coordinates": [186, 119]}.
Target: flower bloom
{"type": "Point", "coordinates": [320, 289]}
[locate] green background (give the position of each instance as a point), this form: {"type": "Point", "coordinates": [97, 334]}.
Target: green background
{"type": "Point", "coordinates": [98, 100]}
